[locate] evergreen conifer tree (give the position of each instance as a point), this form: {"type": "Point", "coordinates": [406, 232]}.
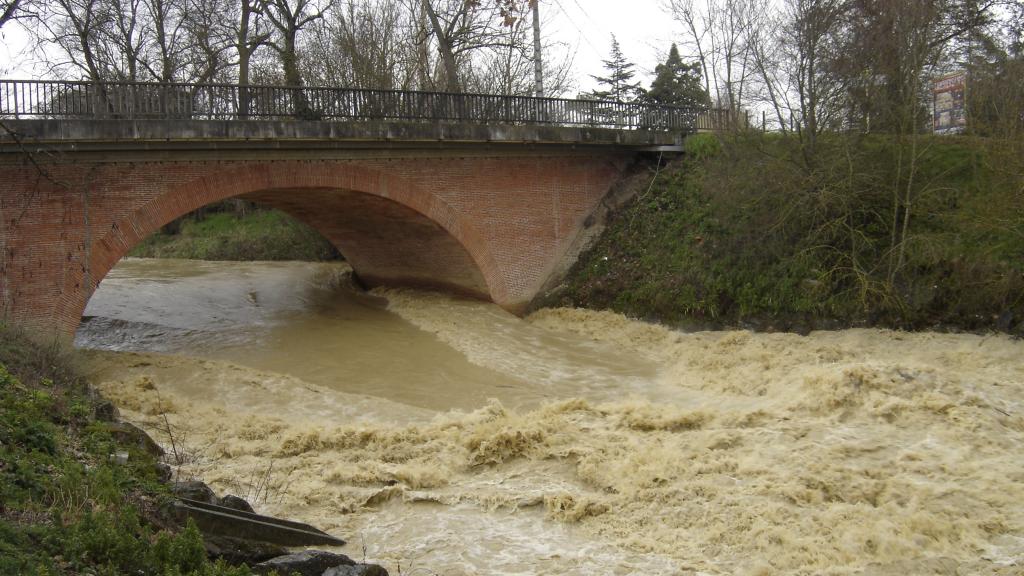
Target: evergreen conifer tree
{"type": "Point", "coordinates": [617, 82]}
{"type": "Point", "coordinates": [677, 83]}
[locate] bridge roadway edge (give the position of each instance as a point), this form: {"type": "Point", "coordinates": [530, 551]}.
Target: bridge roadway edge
{"type": "Point", "coordinates": [524, 203]}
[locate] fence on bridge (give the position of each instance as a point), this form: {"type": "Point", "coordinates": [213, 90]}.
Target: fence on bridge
{"type": "Point", "coordinates": [40, 99]}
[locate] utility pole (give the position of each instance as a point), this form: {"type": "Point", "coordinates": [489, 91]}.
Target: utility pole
{"type": "Point", "coordinates": [538, 64]}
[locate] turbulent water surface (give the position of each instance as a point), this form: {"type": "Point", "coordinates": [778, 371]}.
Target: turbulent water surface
{"type": "Point", "coordinates": [444, 436]}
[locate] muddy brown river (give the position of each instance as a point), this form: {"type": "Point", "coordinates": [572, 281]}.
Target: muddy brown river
{"type": "Point", "coordinates": [444, 436]}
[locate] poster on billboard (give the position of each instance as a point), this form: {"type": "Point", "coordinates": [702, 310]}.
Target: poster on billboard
{"type": "Point", "coordinates": [949, 106]}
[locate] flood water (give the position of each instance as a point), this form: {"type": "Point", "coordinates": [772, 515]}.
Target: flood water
{"type": "Point", "coordinates": [444, 436]}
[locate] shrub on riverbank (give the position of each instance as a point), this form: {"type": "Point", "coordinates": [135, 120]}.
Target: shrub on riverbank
{"type": "Point", "coordinates": [870, 230]}
{"type": "Point", "coordinates": [254, 235]}
{"type": "Point", "coordinates": [65, 506]}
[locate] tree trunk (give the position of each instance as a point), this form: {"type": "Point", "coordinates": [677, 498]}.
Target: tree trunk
{"type": "Point", "coordinates": [245, 50]}
{"type": "Point", "coordinates": [293, 78]}
{"type": "Point", "coordinates": [538, 62]}
{"type": "Point", "coordinates": [444, 46]}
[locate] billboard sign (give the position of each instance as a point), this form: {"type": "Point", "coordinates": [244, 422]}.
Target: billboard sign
{"type": "Point", "coordinates": [949, 105]}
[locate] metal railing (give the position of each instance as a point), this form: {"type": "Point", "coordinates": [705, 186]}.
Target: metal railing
{"type": "Point", "coordinates": [721, 120]}
{"type": "Point", "coordinates": [40, 99]}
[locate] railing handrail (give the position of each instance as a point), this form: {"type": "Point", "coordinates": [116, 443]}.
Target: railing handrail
{"type": "Point", "coordinates": [177, 100]}
{"type": "Point", "coordinates": [343, 89]}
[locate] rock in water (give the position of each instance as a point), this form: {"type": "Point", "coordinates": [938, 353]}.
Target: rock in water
{"type": "Point", "coordinates": [239, 551]}
{"type": "Point", "coordinates": [357, 570]}
{"type": "Point", "coordinates": [1005, 321]}
{"type": "Point", "coordinates": [105, 411]}
{"type": "Point", "coordinates": [130, 434]}
{"type": "Point", "coordinates": [195, 490]}
{"type": "Point", "coordinates": [305, 563]}
{"type": "Point", "coordinates": [236, 503]}
{"type": "Point", "coordinates": [163, 472]}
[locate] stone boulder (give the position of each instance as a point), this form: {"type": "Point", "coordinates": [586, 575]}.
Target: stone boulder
{"type": "Point", "coordinates": [357, 570]}
{"type": "Point", "coordinates": [305, 563]}
{"type": "Point", "coordinates": [195, 490]}
{"type": "Point", "coordinates": [236, 503]}
{"type": "Point", "coordinates": [239, 551]}
{"type": "Point", "coordinates": [132, 435]}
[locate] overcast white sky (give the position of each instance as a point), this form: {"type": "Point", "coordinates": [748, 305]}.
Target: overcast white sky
{"type": "Point", "coordinates": [643, 29]}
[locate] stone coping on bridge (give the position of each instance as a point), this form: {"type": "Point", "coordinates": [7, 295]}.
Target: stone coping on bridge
{"type": "Point", "coordinates": [97, 134]}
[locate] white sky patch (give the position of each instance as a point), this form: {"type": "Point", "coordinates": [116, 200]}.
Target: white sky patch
{"type": "Point", "coordinates": [644, 29]}
{"type": "Point", "coordinates": [14, 58]}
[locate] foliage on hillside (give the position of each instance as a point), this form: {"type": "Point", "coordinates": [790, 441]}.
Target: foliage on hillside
{"type": "Point", "coordinates": [65, 508]}
{"type": "Point", "coordinates": [256, 235]}
{"type": "Point", "coordinates": [873, 230]}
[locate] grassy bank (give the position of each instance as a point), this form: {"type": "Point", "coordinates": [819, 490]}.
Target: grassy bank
{"type": "Point", "coordinates": [254, 235]}
{"type": "Point", "coordinates": [869, 230]}
{"type": "Point", "coordinates": [65, 507]}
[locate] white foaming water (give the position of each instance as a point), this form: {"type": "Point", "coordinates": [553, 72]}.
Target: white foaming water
{"type": "Point", "coordinates": [611, 446]}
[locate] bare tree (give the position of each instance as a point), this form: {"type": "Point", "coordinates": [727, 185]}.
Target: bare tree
{"type": "Point", "coordinates": [364, 44]}
{"type": "Point", "coordinates": [248, 34]}
{"type": "Point", "coordinates": [76, 28]}
{"type": "Point", "coordinates": [289, 18]}
{"type": "Point", "coordinates": [509, 65]}
{"type": "Point", "coordinates": [8, 11]}
{"type": "Point", "coordinates": [166, 23]}
{"type": "Point", "coordinates": [812, 40]}
{"type": "Point", "coordinates": [462, 29]}
{"type": "Point", "coordinates": [772, 86]}
{"type": "Point", "coordinates": [717, 34]}
{"type": "Point", "coordinates": [211, 38]}
{"type": "Point", "coordinates": [133, 40]}
{"type": "Point", "coordinates": [446, 34]}
{"type": "Point", "coordinates": [392, 44]}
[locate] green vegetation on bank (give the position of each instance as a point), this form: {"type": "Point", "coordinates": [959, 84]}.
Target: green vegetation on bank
{"type": "Point", "coordinates": [254, 234]}
{"type": "Point", "coordinates": [65, 506]}
{"type": "Point", "coordinates": [910, 232]}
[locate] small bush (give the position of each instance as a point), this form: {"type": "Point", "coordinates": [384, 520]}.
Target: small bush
{"type": "Point", "coordinates": [702, 146]}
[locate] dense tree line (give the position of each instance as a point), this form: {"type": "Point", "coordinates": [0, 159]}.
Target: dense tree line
{"type": "Point", "coordinates": [865, 65]}
{"type": "Point", "coordinates": [444, 45]}
{"type": "Point", "coordinates": [812, 65]}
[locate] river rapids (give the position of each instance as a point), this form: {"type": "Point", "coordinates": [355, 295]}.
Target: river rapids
{"type": "Point", "coordinates": [444, 436]}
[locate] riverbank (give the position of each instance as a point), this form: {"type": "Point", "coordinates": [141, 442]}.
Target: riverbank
{"type": "Point", "coordinates": [746, 232]}
{"type": "Point", "coordinates": [74, 497]}
{"type": "Point", "coordinates": [255, 234]}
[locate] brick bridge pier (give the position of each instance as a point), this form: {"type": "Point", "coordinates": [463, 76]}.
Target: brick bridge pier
{"type": "Point", "coordinates": [486, 211]}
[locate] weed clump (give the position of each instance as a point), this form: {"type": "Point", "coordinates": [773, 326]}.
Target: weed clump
{"type": "Point", "coordinates": [748, 230]}
{"type": "Point", "coordinates": [257, 235]}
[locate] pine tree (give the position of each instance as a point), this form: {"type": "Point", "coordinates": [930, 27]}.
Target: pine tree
{"type": "Point", "coordinates": [677, 83]}
{"type": "Point", "coordinates": [620, 72]}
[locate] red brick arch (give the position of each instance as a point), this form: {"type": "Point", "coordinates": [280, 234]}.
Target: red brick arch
{"type": "Point", "coordinates": [282, 185]}
{"type": "Point", "coordinates": [495, 224]}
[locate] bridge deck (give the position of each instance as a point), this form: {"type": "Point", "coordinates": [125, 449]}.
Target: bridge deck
{"type": "Point", "coordinates": [135, 135]}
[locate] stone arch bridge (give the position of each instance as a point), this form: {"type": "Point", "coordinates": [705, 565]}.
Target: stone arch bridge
{"type": "Point", "coordinates": [484, 207]}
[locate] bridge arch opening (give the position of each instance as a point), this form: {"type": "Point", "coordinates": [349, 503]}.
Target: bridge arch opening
{"type": "Point", "coordinates": [391, 232]}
